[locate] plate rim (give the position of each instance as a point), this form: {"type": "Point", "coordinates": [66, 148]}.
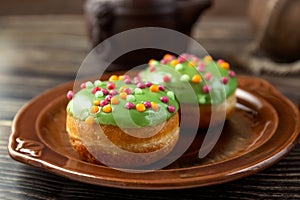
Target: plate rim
{"type": "Point", "coordinates": [186, 181]}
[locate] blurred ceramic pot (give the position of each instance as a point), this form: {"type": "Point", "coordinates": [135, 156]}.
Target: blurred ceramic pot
{"type": "Point", "coordinates": [106, 18]}
{"type": "Point", "coordinates": [276, 25]}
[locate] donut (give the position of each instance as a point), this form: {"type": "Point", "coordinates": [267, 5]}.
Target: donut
{"type": "Point", "coordinates": [213, 82]}
{"type": "Point", "coordinates": [121, 122]}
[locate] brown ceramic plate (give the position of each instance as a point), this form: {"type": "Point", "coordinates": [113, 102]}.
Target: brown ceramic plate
{"type": "Point", "coordinates": [261, 131]}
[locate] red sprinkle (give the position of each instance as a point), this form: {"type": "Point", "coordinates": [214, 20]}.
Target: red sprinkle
{"type": "Point", "coordinates": [224, 80]}
{"type": "Point", "coordinates": [127, 91]}
{"type": "Point", "coordinates": [161, 88]}
{"type": "Point", "coordinates": [147, 104]}
{"type": "Point", "coordinates": [148, 84]}
{"type": "Point", "coordinates": [166, 78]}
{"type": "Point", "coordinates": [164, 99]}
{"type": "Point", "coordinates": [70, 94]}
{"type": "Point", "coordinates": [82, 86]}
{"type": "Point", "coordinates": [151, 68]}
{"type": "Point", "coordinates": [95, 89]}
{"type": "Point", "coordinates": [110, 85]}
{"type": "Point", "coordinates": [129, 105]}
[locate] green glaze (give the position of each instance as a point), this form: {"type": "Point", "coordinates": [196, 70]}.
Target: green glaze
{"type": "Point", "coordinates": [80, 105]}
{"type": "Point", "coordinates": [181, 79]}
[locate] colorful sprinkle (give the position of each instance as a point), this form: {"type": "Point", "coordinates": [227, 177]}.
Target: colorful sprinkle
{"type": "Point", "coordinates": [107, 108]}
{"type": "Point", "coordinates": [127, 80]}
{"type": "Point", "coordinates": [192, 64]}
{"type": "Point", "coordinates": [152, 68]}
{"type": "Point", "coordinates": [83, 85]}
{"type": "Point", "coordinates": [179, 67]}
{"type": "Point", "coordinates": [114, 100]}
{"type": "Point", "coordinates": [89, 84]}
{"type": "Point", "coordinates": [153, 62]}
{"type": "Point", "coordinates": [161, 88]}
{"type": "Point", "coordinates": [148, 84]}
{"type": "Point", "coordinates": [231, 73]}
{"type": "Point", "coordinates": [147, 104]}
{"type": "Point", "coordinates": [224, 80]}
{"type": "Point", "coordinates": [99, 94]}
{"type": "Point", "coordinates": [208, 76]}
{"type": "Point", "coordinates": [196, 78]}
{"type": "Point", "coordinates": [97, 83]}
{"type": "Point", "coordinates": [104, 91]}
{"type": "Point", "coordinates": [94, 109]}
{"type": "Point", "coordinates": [154, 88]}
{"type": "Point", "coordinates": [206, 89]}
{"type": "Point", "coordinates": [138, 91]}
{"type": "Point", "coordinates": [70, 94]}
{"type": "Point", "coordinates": [171, 109]}
{"type": "Point", "coordinates": [171, 95]}
{"type": "Point", "coordinates": [201, 67]}
{"type": "Point", "coordinates": [181, 59]}
{"type": "Point", "coordinates": [121, 77]}
{"type": "Point", "coordinates": [168, 57]}
{"type": "Point", "coordinates": [154, 106]}
{"type": "Point", "coordinates": [174, 62]}
{"type": "Point", "coordinates": [207, 58]}
{"type": "Point", "coordinates": [113, 78]}
{"type": "Point", "coordinates": [123, 95]}
{"type": "Point", "coordinates": [110, 85]}
{"type": "Point", "coordinates": [96, 102]}
{"type": "Point", "coordinates": [130, 97]}
{"type": "Point", "coordinates": [166, 78]}
{"type": "Point", "coordinates": [108, 97]}
{"type": "Point", "coordinates": [129, 105]}
{"type": "Point", "coordinates": [103, 103]}
{"type": "Point", "coordinates": [185, 77]}
{"type": "Point", "coordinates": [89, 120]}
{"type": "Point", "coordinates": [121, 89]}
{"type": "Point", "coordinates": [113, 92]}
{"type": "Point", "coordinates": [95, 89]}
{"type": "Point", "coordinates": [141, 85]}
{"type": "Point", "coordinates": [140, 107]}
{"type": "Point", "coordinates": [164, 99]}
{"type": "Point", "coordinates": [127, 90]}
{"type": "Point", "coordinates": [225, 65]}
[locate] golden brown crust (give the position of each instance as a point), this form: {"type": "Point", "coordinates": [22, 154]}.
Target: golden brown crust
{"type": "Point", "coordinates": [162, 142]}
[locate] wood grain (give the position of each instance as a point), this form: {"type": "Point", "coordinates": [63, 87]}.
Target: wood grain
{"type": "Point", "coordinates": [38, 53]}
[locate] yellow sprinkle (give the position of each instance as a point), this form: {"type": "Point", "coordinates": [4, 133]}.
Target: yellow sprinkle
{"type": "Point", "coordinates": [97, 102]}
{"type": "Point", "coordinates": [122, 88]}
{"type": "Point", "coordinates": [174, 62]}
{"type": "Point", "coordinates": [94, 109]}
{"type": "Point", "coordinates": [106, 108]}
{"type": "Point", "coordinates": [123, 95]}
{"type": "Point", "coordinates": [114, 100]}
{"type": "Point", "coordinates": [191, 64]}
{"type": "Point", "coordinates": [140, 107]}
{"type": "Point", "coordinates": [196, 78]}
{"type": "Point", "coordinates": [225, 65]}
{"type": "Point", "coordinates": [113, 78]}
{"type": "Point", "coordinates": [154, 106]}
{"type": "Point", "coordinates": [151, 61]}
{"type": "Point", "coordinates": [207, 58]}
{"type": "Point", "coordinates": [89, 120]}
{"type": "Point", "coordinates": [154, 88]}
{"type": "Point", "coordinates": [121, 77]}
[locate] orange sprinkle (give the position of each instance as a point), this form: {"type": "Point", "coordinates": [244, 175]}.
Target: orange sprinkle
{"type": "Point", "coordinates": [151, 61]}
{"type": "Point", "coordinates": [113, 78]}
{"type": "Point", "coordinates": [174, 62]}
{"type": "Point", "coordinates": [225, 65]}
{"type": "Point", "coordinates": [154, 106]}
{"type": "Point", "coordinates": [94, 109]}
{"type": "Point", "coordinates": [207, 58]}
{"type": "Point", "coordinates": [107, 108]}
{"type": "Point", "coordinates": [89, 120]}
{"type": "Point", "coordinates": [154, 88]}
{"type": "Point", "coordinates": [192, 64]}
{"type": "Point", "coordinates": [114, 100]}
{"type": "Point", "coordinates": [167, 57]}
{"type": "Point", "coordinates": [140, 107]}
{"type": "Point", "coordinates": [196, 78]}
{"type": "Point", "coordinates": [123, 95]}
{"type": "Point", "coordinates": [97, 102]}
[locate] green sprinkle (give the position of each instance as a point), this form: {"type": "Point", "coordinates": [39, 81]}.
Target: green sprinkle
{"type": "Point", "coordinates": [97, 83]}
{"type": "Point", "coordinates": [171, 95]}
{"type": "Point", "coordinates": [185, 77]}
{"type": "Point", "coordinates": [130, 98]}
{"type": "Point", "coordinates": [138, 91]}
{"type": "Point", "coordinates": [89, 84]}
{"type": "Point", "coordinates": [99, 94]}
{"type": "Point", "coordinates": [179, 67]}
{"type": "Point", "coordinates": [201, 99]}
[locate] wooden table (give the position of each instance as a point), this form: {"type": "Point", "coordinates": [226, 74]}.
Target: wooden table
{"type": "Point", "coordinates": [40, 52]}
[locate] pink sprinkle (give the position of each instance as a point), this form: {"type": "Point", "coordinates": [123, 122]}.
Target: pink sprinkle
{"type": "Point", "coordinates": [171, 109]}
{"type": "Point", "coordinates": [82, 86]}
{"type": "Point", "coordinates": [207, 76]}
{"type": "Point", "coordinates": [224, 80]}
{"type": "Point", "coordinates": [129, 105]}
{"type": "Point", "coordinates": [127, 91]}
{"type": "Point", "coordinates": [201, 67]}
{"type": "Point", "coordinates": [110, 85]}
{"type": "Point", "coordinates": [181, 59]}
{"type": "Point", "coordinates": [161, 88]}
{"type": "Point", "coordinates": [148, 84]}
{"type": "Point", "coordinates": [152, 68]}
{"type": "Point", "coordinates": [113, 92]}
{"type": "Point", "coordinates": [108, 97]}
{"type": "Point", "coordinates": [164, 99]}
{"type": "Point", "coordinates": [136, 80]}
{"type": "Point", "coordinates": [231, 73]}
{"type": "Point", "coordinates": [95, 89]}
{"type": "Point", "coordinates": [163, 62]}
{"type": "Point", "coordinates": [166, 78]}
{"type": "Point", "coordinates": [220, 61]}
{"type": "Point", "coordinates": [141, 85]}
{"type": "Point", "coordinates": [206, 89]}
{"type": "Point", "coordinates": [127, 81]}
{"type": "Point", "coordinates": [104, 91]}
{"type": "Point", "coordinates": [70, 94]}
{"type": "Point", "coordinates": [103, 103]}
{"type": "Point", "coordinates": [147, 104]}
